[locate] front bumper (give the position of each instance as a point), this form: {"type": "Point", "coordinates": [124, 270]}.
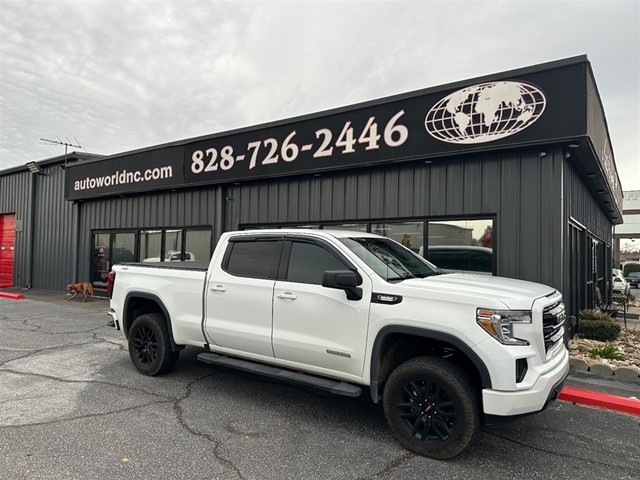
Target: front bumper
{"type": "Point", "coordinates": [531, 400]}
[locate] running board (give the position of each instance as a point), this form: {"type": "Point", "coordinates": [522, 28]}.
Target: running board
{"type": "Point", "coordinates": [334, 386]}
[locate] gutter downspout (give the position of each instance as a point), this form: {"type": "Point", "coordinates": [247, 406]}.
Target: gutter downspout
{"type": "Point", "coordinates": [32, 223]}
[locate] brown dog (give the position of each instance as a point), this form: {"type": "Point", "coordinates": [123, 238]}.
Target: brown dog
{"type": "Point", "coordinates": [82, 288]}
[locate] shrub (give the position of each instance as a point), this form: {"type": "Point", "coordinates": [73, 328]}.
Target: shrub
{"type": "Point", "coordinates": [588, 314]}
{"type": "Point", "coordinates": [602, 330]}
{"type": "Point", "coordinates": [609, 351]}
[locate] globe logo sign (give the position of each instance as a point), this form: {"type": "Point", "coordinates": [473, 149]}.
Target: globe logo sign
{"type": "Point", "coordinates": [485, 112]}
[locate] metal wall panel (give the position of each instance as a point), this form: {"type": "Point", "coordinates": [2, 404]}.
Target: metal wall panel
{"type": "Point", "coordinates": [54, 238]}
{"type": "Point", "coordinates": [15, 197]}
{"type": "Point", "coordinates": [582, 206]}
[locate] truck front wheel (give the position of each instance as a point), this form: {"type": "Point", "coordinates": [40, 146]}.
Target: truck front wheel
{"type": "Point", "coordinates": [431, 406]}
{"type": "Point", "coordinates": [149, 345]}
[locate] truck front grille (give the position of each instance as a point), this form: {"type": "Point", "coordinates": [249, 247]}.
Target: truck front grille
{"type": "Point", "coordinates": [553, 318]}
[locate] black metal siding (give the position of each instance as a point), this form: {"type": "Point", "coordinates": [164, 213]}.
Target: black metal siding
{"type": "Point", "coordinates": [15, 197]}
{"type": "Point", "coordinates": [53, 244]}
{"type": "Point", "coordinates": [582, 205]}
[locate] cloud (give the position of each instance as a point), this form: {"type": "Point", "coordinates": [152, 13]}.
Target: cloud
{"type": "Point", "coordinates": [124, 75]}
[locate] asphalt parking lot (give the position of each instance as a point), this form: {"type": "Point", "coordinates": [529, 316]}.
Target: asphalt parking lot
{"type": "Point", "coordinates": [73, 407]}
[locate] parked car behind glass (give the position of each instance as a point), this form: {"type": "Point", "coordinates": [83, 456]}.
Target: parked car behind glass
{"type": "Point", "coordinates": [633, 279]}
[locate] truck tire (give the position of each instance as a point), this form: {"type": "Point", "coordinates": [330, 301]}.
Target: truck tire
{"type": "Point", "coordinates": [149, 345]}
{"type": "Point", "coordinates": [432, 407]}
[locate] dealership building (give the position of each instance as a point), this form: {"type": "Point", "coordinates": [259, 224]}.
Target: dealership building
{"type": "Point", "coordinates": [510, 174]}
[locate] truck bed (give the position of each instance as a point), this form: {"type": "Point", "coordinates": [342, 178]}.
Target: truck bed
{"type": "Point", "coordinates": [195, 265]}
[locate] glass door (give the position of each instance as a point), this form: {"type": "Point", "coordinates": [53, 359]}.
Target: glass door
{"type": "Point", "coordinates": [108, 249]}
{"type": "Point", "coordinates": [100, 264]}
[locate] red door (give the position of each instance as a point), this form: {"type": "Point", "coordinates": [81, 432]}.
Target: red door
{"type": "Point", "coordinates": [7, 242]}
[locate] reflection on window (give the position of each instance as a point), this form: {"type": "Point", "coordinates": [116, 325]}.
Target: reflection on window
{"type": "Point", "coordinates": [173, 245]}
{"type": "Point", "coordinates": [409, 234]}
{"type": "Point", "coordinates": [388, 259]}
{"type": "Point", "coordinates": [150, 245]}
{"type": "Point", "coordinates": [461, 245]}
{"type": "Point", "coordinates": [124, 246]}
{"type": "Point", "coordinates": [197, 244]}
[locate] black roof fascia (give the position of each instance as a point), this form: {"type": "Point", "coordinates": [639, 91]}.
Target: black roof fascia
{"type": "Point", "coordinates": [58, 160]}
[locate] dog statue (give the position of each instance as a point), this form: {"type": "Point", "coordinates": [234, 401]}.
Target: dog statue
{"type": "Point", "coordinates": [82, 288]}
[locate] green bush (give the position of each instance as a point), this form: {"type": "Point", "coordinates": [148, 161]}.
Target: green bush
{"type": "Point", "coordinates": [630, 267]}
{"type": "Point", "coordinates": [602, 330]}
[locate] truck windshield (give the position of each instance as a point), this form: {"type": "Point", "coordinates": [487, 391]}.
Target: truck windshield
{"type": "Point", "coordinates": [390, 260]}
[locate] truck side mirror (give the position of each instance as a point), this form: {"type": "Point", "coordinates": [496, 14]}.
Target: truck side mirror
{"type": "Point", "coordinates": [346, 280]}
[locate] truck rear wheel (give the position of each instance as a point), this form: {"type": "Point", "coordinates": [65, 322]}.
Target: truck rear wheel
{"type": "Point", "coordinates": [431, 406]}
{"type": "Point", "coordinates": [149, 345]}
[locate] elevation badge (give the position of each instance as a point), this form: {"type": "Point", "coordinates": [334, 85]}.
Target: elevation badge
{"type": "Point", "coordinates": [485, 112]}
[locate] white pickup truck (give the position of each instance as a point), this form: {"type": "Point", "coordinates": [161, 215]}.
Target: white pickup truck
{"type": "Point", "coordinates": [347, 311]}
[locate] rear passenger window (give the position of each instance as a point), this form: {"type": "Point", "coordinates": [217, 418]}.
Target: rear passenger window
{"type": "Point", "coordinates": [253, 259]}
{"type": "Point", "coordinates": [308, 262]}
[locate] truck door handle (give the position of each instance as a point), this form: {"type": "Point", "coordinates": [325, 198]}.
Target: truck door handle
{"type": "Point", "coordinates": [287, 296]}
{"type": "Point", "coordinates": [218, 288]}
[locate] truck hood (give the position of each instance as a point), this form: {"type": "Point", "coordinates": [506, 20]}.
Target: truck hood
{"type": "Point", "coordinates": [515, 294]}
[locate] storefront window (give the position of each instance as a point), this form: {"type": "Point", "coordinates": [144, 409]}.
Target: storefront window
{"type": "Point", "coordinates": [461, 245]}
{"type": "Point", "coordinates": [409, 234]}
{"type": "Point", "coordinates": [173, 244]}
{"type": "Point", "coordinates": [197, 244]}
{"type": "Point", "coordinates": [150, 245]}
{"type": "Point", "coordinates": [123, 248]}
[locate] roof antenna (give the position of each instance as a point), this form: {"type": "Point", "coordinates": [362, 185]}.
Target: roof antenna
{"type": "Point", "coordinates": [66, 145]}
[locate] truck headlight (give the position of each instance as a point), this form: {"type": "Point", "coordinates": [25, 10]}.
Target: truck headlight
{"type": "Point", "coordinates": [499, 324]}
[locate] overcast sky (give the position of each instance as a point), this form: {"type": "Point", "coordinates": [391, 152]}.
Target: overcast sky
{"type": "Point", "coordinates": [121, 75]}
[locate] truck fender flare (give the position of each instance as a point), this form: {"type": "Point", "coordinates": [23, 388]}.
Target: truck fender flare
{"type": "Point", "coordinates": [150, 296]}
{"type": "Point", "coordinates": [426, 333]}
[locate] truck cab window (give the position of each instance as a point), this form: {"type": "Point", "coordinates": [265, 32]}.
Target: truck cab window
{"type": "Point", "coordinates": [253, 259]}
{"type": "Point", "coordinates": [309, 261]}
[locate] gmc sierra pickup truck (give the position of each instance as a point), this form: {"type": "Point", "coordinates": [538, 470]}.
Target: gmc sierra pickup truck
{"type": "Point", "coordinates": [352, 311]}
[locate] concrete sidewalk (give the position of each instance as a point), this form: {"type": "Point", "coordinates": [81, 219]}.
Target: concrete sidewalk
{"type": "Point", "coordinates": [583, 387]}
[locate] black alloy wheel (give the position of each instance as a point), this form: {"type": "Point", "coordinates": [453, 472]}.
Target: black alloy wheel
{"type": "Point", "coordinates": [432, 407]}
{"type": "Point", "coordinates": [150, 346]}
{"type": "Point", "coordinates": [427, 411]}
{"type": "Point", "coordinates": [146, 345]}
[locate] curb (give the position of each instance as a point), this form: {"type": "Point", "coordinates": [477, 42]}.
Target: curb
{"type": "Point", "coordinates": [604, 400]}
{"type": "Point", "coordinates": [604, 370]}
{"type": "Point", "coordinates": [12, 296]}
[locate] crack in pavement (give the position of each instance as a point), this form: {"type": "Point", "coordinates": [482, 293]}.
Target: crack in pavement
{"type": "Point", "coordinates": [167, 398]}
{"type": "Point", "coordinates": [83, 417]}
{"type": "Point", "coordinates": [217, 444]}
{"type": "Point", "coordinates": [44, 349]}
{"type": "Point", "coordinates": [398, 462]}
{"type": "Point", "coordinates": [37, 328]}
{"type": "Point", "coordinates": [27, 324]}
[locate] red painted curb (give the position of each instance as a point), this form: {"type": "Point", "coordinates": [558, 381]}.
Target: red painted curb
{"type": "Point", "coordinates": [597, 399]}
{"type": "Point", "coordinates": [12, 296]}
